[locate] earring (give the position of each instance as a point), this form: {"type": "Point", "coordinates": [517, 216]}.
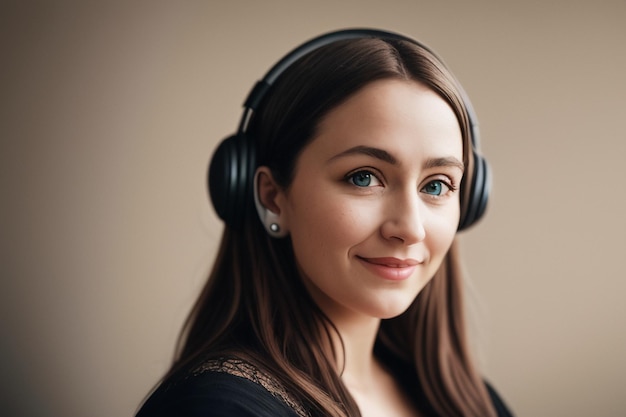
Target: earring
{"type": "Point", "coordinates": [274, 227]}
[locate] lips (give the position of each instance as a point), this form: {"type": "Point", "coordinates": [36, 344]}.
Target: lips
{"type": "Point", "coordinates": [389, 268]}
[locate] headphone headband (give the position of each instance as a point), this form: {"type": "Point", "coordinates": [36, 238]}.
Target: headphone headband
{"type": "Point", "coordinates": [262, 86]}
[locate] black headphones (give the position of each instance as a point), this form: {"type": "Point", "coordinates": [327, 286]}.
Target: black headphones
{"type": "Point", "coordinates": [232, 168]}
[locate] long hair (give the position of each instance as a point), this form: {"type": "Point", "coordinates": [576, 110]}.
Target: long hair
{"type": "Point", "coordinates": [255, 304]}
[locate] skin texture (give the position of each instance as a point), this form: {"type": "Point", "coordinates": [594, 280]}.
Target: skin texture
{"type": "Point", "coordinates": [372, 210]}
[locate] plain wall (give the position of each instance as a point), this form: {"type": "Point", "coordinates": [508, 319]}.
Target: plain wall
{"type": "Point", "coordinates": [109, 113]}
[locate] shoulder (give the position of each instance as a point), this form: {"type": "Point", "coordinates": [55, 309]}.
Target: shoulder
{"type": "Point", "coordinates": [213, 391]}
{"type": "Point", "coordinates": [501, 408]}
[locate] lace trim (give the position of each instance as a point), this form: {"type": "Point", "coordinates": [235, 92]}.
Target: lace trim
{"type": "Point", "coordinates": [243, 369]}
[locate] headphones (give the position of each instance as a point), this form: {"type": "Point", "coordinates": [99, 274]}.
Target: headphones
{"type": "Point", "coordinates": [231, 175]}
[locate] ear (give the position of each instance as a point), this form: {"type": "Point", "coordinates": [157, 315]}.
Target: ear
{"type": "Point", "coordinates": [268, 200]}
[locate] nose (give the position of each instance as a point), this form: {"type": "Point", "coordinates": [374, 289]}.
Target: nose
{"type": "Point", "coordinates": [404, 219]}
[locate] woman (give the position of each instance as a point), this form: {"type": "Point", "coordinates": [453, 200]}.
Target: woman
{"type": "Point", "coordinates": [337, 287]}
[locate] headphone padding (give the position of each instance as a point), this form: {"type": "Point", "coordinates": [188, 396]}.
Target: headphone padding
{"type": "Point", "coordinates": [230, 178]}
{"type": "Point", "coordinates": [222, 177]}
{"type": "Point", "coordinates": [479, 193]}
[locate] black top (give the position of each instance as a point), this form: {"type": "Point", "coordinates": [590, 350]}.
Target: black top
{"type": "Point", "coordinates": [501, 409]}
{"type": "Point", "coordinates": [224, 393]}
{"type": "Point", "coordinates": [215, 394]}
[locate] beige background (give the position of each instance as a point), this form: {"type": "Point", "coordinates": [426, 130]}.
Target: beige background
{"type": "Point", "coordinates": [108, 116]}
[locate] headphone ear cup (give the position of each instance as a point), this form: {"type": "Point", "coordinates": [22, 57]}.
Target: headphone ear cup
{"type": "Point", "coordinates": [230, 178]}
{"type": "Point", "coordinates": [479, 192]}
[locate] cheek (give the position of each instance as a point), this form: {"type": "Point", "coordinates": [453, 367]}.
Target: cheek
{"type": "Point", "coordinates": [443, 231]}
{"type": "Point", "coordinates": [332, 222]}
{"type": "Point", "coordinates": [324, 227]}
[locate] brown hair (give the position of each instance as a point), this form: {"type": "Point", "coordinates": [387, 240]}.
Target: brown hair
{"type": "Point", "coordinates": [254, 304]}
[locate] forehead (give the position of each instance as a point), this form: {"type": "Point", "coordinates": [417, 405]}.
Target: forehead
{"type": "Point", "coordinates": [402, 117]}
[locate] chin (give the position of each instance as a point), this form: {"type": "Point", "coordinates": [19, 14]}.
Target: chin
{"type": "Point", "coordinates": [395, 305]}
{"type": "Point", "coordinates": [393, 310]}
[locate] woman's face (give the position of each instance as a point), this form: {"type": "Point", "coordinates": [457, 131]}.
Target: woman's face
{"type": "Point", "coordinates": [374, 203]}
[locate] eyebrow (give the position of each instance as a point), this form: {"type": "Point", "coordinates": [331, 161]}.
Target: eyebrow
{"type": "Point", "coordinates": [449, 161]}
{"type": "Point", "coordinates": [369, 151]}
{"type": "Point", "coordinates": [389, 158]}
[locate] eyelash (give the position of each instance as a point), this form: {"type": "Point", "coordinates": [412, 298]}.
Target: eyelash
{"type": "Point", "coordinates": [449, 184]}
{"type": "Point", "coordinates": [350, 177]}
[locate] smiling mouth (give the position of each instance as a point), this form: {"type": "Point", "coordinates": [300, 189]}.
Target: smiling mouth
{"type": "Point", "coordinates": [391, 262]}
{"type": "Point", "coordinates": [388, 268]}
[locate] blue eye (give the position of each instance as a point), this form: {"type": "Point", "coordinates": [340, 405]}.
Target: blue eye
{"type": "Point", "coordinates": [363, 179]}
{"type": "Point", "coordinates": [436, 188]}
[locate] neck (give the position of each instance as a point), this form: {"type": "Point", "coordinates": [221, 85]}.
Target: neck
{"type": "Point", "coordinates": [354, 347]}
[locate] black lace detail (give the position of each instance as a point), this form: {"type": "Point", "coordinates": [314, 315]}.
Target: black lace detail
{"type": "Point", "coordinates": [244, 369]}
